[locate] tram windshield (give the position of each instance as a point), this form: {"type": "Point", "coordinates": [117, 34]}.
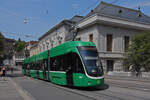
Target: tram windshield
{"type": "Point", "coordinates": [91, 61]}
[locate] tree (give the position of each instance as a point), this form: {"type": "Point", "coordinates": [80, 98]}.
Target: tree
{"type": "Point", "coordinates": [19, 45]}
{"type": "Point", "coordinates": [138, 54]}
{"type": "Point", "coordinates": [1, 47]}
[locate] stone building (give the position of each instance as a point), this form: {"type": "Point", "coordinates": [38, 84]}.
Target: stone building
{"type": "Point", "coordinates": [109, 26]}
{"type": "Point", "coordinates": [34, 49]}
{"type": "Point", "coordinates": [28, 46]}
{"type": "Point", "coordinates": [56, 35]}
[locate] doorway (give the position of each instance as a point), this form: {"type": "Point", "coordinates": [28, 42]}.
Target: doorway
{"type": "Point", "coordinates": [110, 65]}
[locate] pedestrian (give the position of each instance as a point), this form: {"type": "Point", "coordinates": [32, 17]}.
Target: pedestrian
{"type": "Point", "coordinates": [3, 73]}
{"type": "Point", "coordinates": [132, 70]}
{"type": "Point", "coordinates": [0, 72]}
{"type": "Point", "coordinates": [137, 71]}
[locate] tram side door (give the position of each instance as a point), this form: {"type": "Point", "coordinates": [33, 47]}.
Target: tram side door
{"type": "Point", "coordinates": [69, 69]}
{"type": "Point", "coordinates": [44, 69]}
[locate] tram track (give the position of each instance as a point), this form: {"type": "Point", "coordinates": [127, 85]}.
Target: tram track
{"type": "Point", "coordinates": [112, 96]}
{"type": "Point", "coordinates": [59, 87]}
{"type": "Point", "coordinates": [84, 93]}
{"type": "Point", "coordinates": [108, 94]}
{"type": "Point", "coordinates": [93, 95]}
{"type": "Point", "coordinates": [129, 79]}
{"type": "Point", "coordinates": [130, 86]}
{"type": "Point", "coordinates": [120, 96]}
{"type": "Point", "coordinates": [67, 89]}
{"type": "Point", "coordinates": [96, 95]}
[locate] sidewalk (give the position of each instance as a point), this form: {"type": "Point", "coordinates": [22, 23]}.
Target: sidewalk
{"type": "Point", "coordinates": [129, 78]}
{"type": "Point", "coordinates": [9, 90]}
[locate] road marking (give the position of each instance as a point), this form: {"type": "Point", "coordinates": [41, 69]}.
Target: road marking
{"type": "Point", "coordinates": [26, 95]}
{"type": "Point", "coordinates": [145, 89]}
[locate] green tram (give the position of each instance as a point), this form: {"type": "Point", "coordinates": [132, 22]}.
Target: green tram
{"type": "Point", "coordinates": [74, 63]}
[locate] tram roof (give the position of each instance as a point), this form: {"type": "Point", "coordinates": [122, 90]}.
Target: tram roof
{"type": "Point", "coordinates": [58, 50]}
{"type": "Point", "coordinates": [42, 55]}
{"type": "Point", "coordinates": [68, 47]}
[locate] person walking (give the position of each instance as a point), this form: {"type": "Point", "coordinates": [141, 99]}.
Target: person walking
{"type": "Point", "coordinates": [3, 73]}
{"type": "Point", "coordinates": [0, 72]}
{"type": "Point", "coordinates": [132, 70]}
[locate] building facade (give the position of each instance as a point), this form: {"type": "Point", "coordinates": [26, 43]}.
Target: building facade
{"type": "Point", "coordinates": [110, 27]}
{"type": "Point", "coordinates": [8, 51]}
{"type": "Point", "coordinates": [34, 49]}
{"type": "Point", "coordinates": [28, 48]}
{"type": "Point", "coordinates": [57, 34]}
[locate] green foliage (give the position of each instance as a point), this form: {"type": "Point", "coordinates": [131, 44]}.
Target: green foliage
{"type": "Point", "coordinates": [138, 53]}
{"type": "Point", "coordinates": [19, 46]}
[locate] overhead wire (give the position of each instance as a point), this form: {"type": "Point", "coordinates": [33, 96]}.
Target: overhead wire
{"type": "Point", "coordinates": [24, 19]}
{"type": "Point", "coordinates": [20, 35]}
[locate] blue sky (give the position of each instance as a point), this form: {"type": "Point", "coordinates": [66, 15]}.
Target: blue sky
{"type": "Point", "coordinates": [41, 15]}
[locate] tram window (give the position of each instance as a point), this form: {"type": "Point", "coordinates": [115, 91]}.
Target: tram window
{"type": "Point", "coordinates": [40, 65]}
{"type": "Point", "coordinates": [67, 61]}
{"type": "Point", "coordinates": [31, 66]}
{"type": "Point", "coordinates": [54, 64]}
{"type": "Point", "coordinates": [72, 60]}
{"type": "Point", "coordinates": [77, 64]}
{"type": "Point", "coordinates": [51, 64]}
{"type": "Point", "coordinates": [46, 64]}
{"type": "Point", "coordinates": [43, 65]}
{"type": "Point", "coordinates": [63, 62]}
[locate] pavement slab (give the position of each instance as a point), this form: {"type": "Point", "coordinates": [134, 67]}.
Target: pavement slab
{"type": "Point", "coordinates": [8, 90]}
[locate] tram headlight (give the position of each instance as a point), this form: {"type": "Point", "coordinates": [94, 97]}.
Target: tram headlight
{"type": "Point", "coordinates": [98, 81]}
{"type": "Point", "coordinates": [89, 83]}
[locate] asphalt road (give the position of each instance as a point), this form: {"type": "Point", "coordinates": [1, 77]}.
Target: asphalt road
{"type": "Point", "coordinates": [114, 89]}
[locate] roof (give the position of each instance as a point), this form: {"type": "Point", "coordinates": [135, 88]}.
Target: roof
{"type": "Point", "coordinates": [115, 11]}
{"type": "Point", "coordinates": [31, 43]}
{"type": "Point", "coordinates": [73, 20]}
{"type": "Point", "coordinates": [9, 40]}
{"type": "Point", "coordinates": [76, 18]}
{"type": "Point", "coordinates": [34, 45]}
{"type": "Point", "coordinates": [54, 28]}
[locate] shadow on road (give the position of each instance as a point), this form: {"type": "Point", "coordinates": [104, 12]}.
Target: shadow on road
{"type": "Point", "coordinates": [15, 75]}
{"type": "Point", "coordinates": [104, 87]}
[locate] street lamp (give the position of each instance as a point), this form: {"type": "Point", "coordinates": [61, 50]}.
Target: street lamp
{"type": "Point", "coordinates": [25, 21]}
